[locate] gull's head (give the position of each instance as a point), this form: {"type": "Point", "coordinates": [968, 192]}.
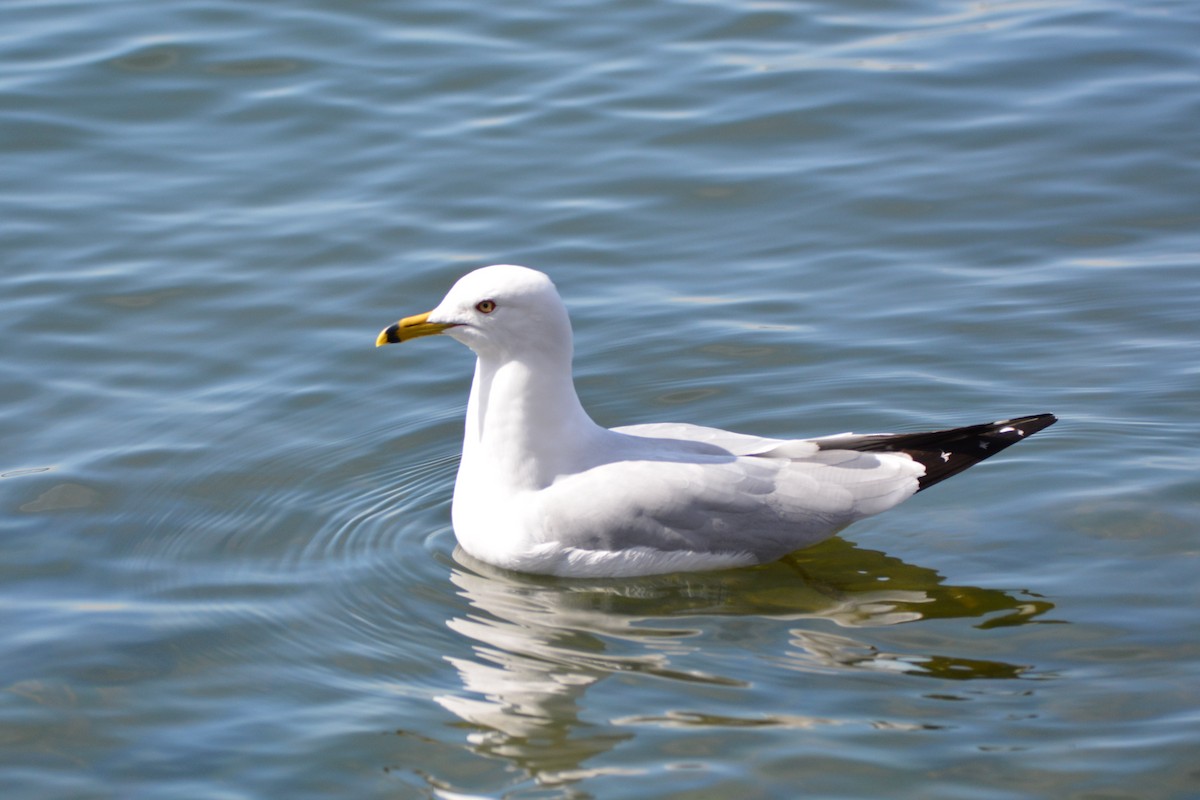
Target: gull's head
{"type": "Point", "coordinates": [503, 311]}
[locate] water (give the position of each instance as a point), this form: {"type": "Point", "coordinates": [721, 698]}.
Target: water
{"type": "Point", "coordinates": [228, 569]}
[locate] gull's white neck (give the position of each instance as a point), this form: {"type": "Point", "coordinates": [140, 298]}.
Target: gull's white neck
{"type": "Point", "coordinates": [525, 425]}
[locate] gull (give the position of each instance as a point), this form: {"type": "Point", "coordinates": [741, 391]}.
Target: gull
{"type": "Point", "coordinates": [541, 488]}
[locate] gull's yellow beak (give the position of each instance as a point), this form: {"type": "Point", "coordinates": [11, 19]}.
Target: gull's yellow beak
{"type": "Point", "coordinates": [410, 328]}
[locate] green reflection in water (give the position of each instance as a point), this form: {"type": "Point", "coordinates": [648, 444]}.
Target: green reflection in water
{"type": "Point", "coordinates": [538, 644]}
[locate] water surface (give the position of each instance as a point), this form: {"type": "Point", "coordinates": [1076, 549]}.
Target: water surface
{"type": "Point", "coordinates": [228, 569]}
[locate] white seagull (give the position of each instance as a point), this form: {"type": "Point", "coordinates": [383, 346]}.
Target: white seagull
{"type": "Point", "coordinates": [542, 488]}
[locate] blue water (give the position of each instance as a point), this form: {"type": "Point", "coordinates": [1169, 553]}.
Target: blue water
{"type": "Point", "coordinates": [227, 567]}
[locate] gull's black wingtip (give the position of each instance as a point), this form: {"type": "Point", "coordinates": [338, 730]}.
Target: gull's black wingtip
{"type": "Point", "coordinates": [946, 453]}
{"type": "Point", "coordinates": [1031, 424]}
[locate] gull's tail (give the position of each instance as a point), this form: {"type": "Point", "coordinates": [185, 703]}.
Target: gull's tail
{"type": "Point", "coordinates": [945, 453]}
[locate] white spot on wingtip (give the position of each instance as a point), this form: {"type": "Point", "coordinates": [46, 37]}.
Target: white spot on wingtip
{"type": "Point", "coordinates": [983, 445]}
{"type": "Point", "coordinates": [946, 457]}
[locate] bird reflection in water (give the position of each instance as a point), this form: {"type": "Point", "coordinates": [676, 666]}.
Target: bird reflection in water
{"type": "Point", "coordinates": [539, 643]}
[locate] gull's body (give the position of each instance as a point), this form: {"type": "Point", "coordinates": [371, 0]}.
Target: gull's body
{"type": "Point", "coordinates": [542, 488]}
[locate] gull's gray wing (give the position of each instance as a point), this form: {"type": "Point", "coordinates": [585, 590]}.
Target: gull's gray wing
{"type": "Point", "coordinates": [738, 444]}
{"type": "Point", "coordinates": [670, 499]}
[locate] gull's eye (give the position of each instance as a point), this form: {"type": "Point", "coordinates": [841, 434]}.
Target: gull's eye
{"type": "Point", "coordinates": [485, 306]}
